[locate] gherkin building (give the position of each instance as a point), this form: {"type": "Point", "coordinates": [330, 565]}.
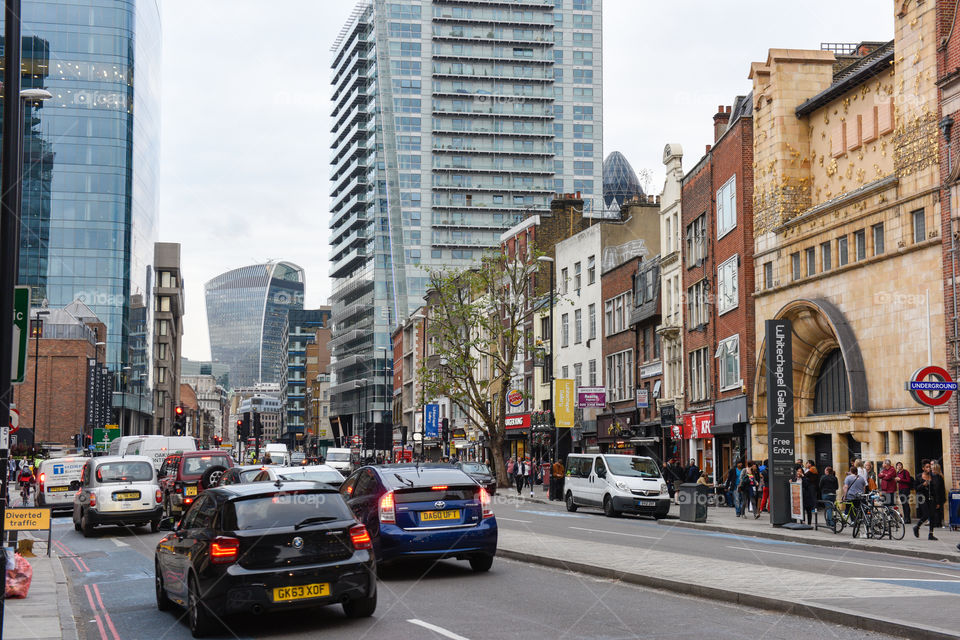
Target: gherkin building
{"type": "Point", "coordinates": [620, 182]}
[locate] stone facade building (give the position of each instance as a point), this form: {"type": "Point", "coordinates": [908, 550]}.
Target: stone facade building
{"type": "Point", "coordinates": [847, 236]}
{"type": "Point", "coordinates": [167, 333]}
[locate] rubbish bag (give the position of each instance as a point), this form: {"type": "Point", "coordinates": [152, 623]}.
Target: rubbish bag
{"type": "Point", "coordinates": [19, 578]}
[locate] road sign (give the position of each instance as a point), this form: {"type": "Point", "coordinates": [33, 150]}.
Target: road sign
{"type": "Point", "coordinates": [931, 393]}
{"type": "Point", "coordinates": [103, 437]}
{"type": "Point", "coordinates": [14, 420]}
{"type": "Point", "coordinates": [21, 318]}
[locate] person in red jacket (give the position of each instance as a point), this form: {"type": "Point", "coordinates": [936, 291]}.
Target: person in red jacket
{"type": "Point", "coordinates": [888, 483]}
{"type": "Point", "coordinates": [904, 485]}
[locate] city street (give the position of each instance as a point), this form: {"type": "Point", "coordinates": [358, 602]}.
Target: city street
{"type": "Point", "coordinates": [111, 580]}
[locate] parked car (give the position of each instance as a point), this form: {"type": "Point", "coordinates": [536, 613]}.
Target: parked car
{"type": "Point", "coordinates": [423, 511]}
{"type": "Point", "coordinates": [58, 480]}
{"type": "Point", "coordinates": [240, 475]}
{"type": "Point", "coordinates": [616, 483]}
{"type": "Point", "coordinates": [185, 476]}
{"type": "Point", "coordinates": [314, 473]}
{"type": "Point", "coordinates": [119, 491]}
{"type": "Point", "coordinates": [259, 548]}
{"type": "Point", "coordinates": [481, 474]}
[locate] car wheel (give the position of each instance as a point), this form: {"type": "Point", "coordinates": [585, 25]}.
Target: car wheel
{"type": "Point", "coordinates": [154, 526]}
{"type": "Point", "coordinates": [360, 607]}
{"type": "Point", "coordinates": [76, 523]}
{"type": "Point", "coordinates": [163, 602]}
{"type": "Point", "coordinates": [212, 476]}
{"type": "Point", "coordinates": [85, 525]}
{"type": "Point", "coordinates": [198, 615]}
{"type": "Point", "coordinates": [571, 505]}
{"type": "Point", "coordinates": [481, 563]}
{"type": "Point", "coordinates": [608, 509]}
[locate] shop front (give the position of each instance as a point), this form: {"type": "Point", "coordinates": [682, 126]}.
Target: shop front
{"type": "Point", "coordinates": [614, 431]}
{"type": "Point", "coordinates": [731, 433]}
{"type": "Point", "coordinates": [699, 440]}
{"type": "Point", "coordinates": [671, 435]}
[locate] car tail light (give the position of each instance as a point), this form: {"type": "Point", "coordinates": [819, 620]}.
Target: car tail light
{"type": "Point", "coordinates": [485, 503]}
{"type": "Point", "coordinates": [387, 514]}
{"type": "Point", "coordinates": [93, 500]}
{"type": "Point", "coordinates": [188, 501]}
{"type": "Point", "coordinates": [159, 496]}
{"type": "Point", "coordinates": [360, 537]}
{"type": "Point", "coordinates": [224, 550]}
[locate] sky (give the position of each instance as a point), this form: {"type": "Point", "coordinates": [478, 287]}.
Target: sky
{"type": "Point", "coordinates": [245, 112]}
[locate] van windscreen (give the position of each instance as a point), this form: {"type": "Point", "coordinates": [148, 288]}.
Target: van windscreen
{"type": "Point", "coordinates": [632, 467]}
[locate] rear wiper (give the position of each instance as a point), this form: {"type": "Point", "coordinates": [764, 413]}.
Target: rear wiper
{"type": "Point", "coordinates": [402, 479]}
{"type": "Point", "coordinates": [313, 520]}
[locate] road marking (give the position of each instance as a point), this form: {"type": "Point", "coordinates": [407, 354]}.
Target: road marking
{"type": "Point", "coordinates": [555, 514]}
{"type": "Point", "coordinates": [436, 629]}
{"type": "Point", "coordinates": [514, 520]}
{"type": "Point", "coordinates": [616, 533]}
{"type": "Point", "coordinates": [118, 542]}
{"type": "Point", "coordinates": [906, 580]}
{"type": "Point", "coordinates": [859, 564]}
{"type": "Point", "coordinates": [113, 630]}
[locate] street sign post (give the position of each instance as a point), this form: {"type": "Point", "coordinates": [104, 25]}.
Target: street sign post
{"type": "Point", "coordinates": [21, 330]}
{"type": "Point", "coordinates": [780, 436]}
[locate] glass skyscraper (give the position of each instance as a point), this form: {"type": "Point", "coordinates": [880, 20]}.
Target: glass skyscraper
{"type": "Point", "coordinates": [91, 153]}
{"type": "Point", "coordinates": [247, 319]}
{"type": "Point", "coordinates": [452, 121]}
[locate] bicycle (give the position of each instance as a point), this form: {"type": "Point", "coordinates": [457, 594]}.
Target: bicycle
{"type": "Point", "coordinates": [893, 528]}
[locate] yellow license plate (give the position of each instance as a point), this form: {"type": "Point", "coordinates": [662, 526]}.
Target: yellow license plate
{"type": "Point", "coordinates": [128, 495]}
{"type": "Point", "coordinates": [56, 489]}
{"type": "Point", "coordinates": [190, 491]}
{"type": "Point", "coordinates": [449, 514]}
{"type": "Point", "coordinates": [301, 592]}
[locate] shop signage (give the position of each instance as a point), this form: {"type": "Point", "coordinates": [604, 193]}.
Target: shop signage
{"type": "Point", "coordinates": [697, 425]}
{"type": "Point", "coordinates": [941, 386]}
{"type": "Point", "coordinates": [591, 397]}
{"type": "Point", "coordinates": [459, 434]}
{"type": "Point", "coordinates": [643, 399]}
{"type": "Point", "coordinates": [563, 403]}
{"type": "Point", "coordinates": [517, 421]}
{"type": "Point", "coordinates": [652, 369]}
{"type": "Point", "coordinates": [780, 437]}
{"type": "Point", "coordinates": [668, 416]}
{"type": "Point", "coordinates": [431, 420]}
{"type": "Point", "coordinates": [515, 397]}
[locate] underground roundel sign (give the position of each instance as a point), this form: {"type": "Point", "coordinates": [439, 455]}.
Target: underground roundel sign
{"type": "Point", "coordinates": [931, 386]}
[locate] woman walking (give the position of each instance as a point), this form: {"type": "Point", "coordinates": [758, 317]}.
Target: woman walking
{"type": "Point", "coordinates": [925, 505]}
{"type": "Point", "coordinates": [938, 492]}
{"type": "Point", "coordinates": [904, 484]}
{"type": "Point", "coordinates": [746, 489]}
{"type": "Point", "coordinates": [810, 482]}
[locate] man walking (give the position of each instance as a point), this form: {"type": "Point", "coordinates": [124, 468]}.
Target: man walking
{"type": "Point", "coordinates": [556, 484]}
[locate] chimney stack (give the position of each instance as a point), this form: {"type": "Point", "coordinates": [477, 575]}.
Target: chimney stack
{"type": "Point", "coordinates": [720, 120]}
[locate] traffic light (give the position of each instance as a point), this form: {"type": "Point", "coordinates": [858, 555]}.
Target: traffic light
{"type": "Point", "coordinates": [178, 426]}
{"type": "Point", "coordinates": [445, 429]}
{"type": "Point", "coordinates": [257, 426]}
{"type": "Point", "coordinates": [243, 427]}
{"type": "Point", "coordinates": [217, 440]}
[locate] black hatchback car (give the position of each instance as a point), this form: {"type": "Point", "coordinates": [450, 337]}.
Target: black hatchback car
{"type": "Point", "coordinates": [481, 474]}
{"type": "Point", "coordinates": [264, 547]}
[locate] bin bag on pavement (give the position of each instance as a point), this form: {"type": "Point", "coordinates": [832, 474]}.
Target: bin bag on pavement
{"type": "Point", "coordinates": [19, 579]}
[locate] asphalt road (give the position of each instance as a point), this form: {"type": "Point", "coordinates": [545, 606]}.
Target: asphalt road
{"type": "Point", "coordinates": [111, 579]}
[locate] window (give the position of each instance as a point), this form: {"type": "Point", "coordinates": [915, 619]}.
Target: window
{"type": "Point", "coordinates": [545, 328]}
{"type": "Point", "coordinates": [564, 281]}
{"type": "Point", "coordinates": [727, 207]}
{"type": "Point", "coordinates": [583, 57]}
{"type": "Point", "coordinates": [582, 21]}
{"type": "Point", "coordinates": [697, 241]}
{"type": "Point", "coordinates": [582, 38]}
{"type": "Point", "coordinates": [404, 30]}
{"type": "Point", "coordinates": [727, 285]}
{"type": "Point", "coordinates": [578, 326]}
{"type": "Point", "coordinates": [842, 258]}
{"type": "Point", "coordinates": [591, 269]}
{"type": "Point", "coordinates": [163, 303]}
{"type": "Point", "coordinates": [581, 167]}
{"type": "Point", "coordinates": [620, 376]}
{"type": "Point", "coordinates": [161, 351]}
{"type": "Point", "coordinates": [583, 149]}
{"type": "Point", "coordinates": [811, 256]}
{"type": "Point", "coordinates": [697, 305]}
{"type": "Point", "coordinates": [582, 5]}
{"type": "Point", "coordinates": [592, 322]}
{"type": "Point", "coordinates": [583, 76]}
{"type": "Point", "coordinates": [617, 313]}
{"type": "Point", "coordinates": [161, 328]}
{"type": "Point", "coordinates": [728, 365]}
{"type": "Point", "coordinates": [565, 330]}
{"type": "Point", "coordinates": [831, 393]}
{"type": "Point", "coordinates": [161, 375]}
{"type": "Point", "coordinates": [860, 243]}
{"type": "Point", "coordinates": [578, 375]}
{"type": "Point", "coordinates": [919, 226]}
{"type": "Point", "coordinates": [877, 238]}
{"type": "Point", "coordinates": [795, 265]}
{"type": "Point", "coordinates": [699, 369]}
{"type": "Point", "coordinates": [576, 277]}
{"type": "Point", "coordinates": [582, 112]}
{"type": "Point", "coordinates": [825, 264]}
{"type": "Point", "coordinates": [768, 275]}
{"type": "Point", "coordinates": [592, 372]}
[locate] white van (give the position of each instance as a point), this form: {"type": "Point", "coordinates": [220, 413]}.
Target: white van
{"type": "Point", "coordinates": [57, 480]}
{"type": "Point", "coordinates": [278, 454]}
{"type": "Point", "coordinates": [118, 446]}
{"type": "Point", "coordinates": [157, 448]}
{"type": "Point", "coordinates": [339, 459]}
{"type": "Point", "coordinates": [616, 483]}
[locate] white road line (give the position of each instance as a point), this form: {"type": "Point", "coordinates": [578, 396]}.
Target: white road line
{"type": "Point", "coordinates": [118, 542]}
{"type": "Point", "coordinates": [858, 563]}
{"type": "Point", "coordinates": [616, 533]}
{"type": "Point", "coordinates": [906, 580]}
{"type": "Point", "coordinates": [514, 520]}
{"type": "Point", "coordinates": [436, 629]}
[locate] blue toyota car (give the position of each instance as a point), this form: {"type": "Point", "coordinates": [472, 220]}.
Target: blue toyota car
{"type": "Point", "coordinates": [423, 511]}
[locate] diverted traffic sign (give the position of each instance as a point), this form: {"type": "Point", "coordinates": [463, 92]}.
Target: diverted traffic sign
{"type": "Point", "coordinates": [931, 386]}
{"type": "Point", "coordinates": [21, 317]}
{"type": "Point", "coordinates": [26, 519]}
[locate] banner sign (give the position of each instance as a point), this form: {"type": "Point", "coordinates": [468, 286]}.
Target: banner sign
{"type": "Point", "coordinates": [591, 397]}
{"type": "Point", "coordinates": [431, 421]}
{"type": "Point", "coordinates": [780, 437]}
{"type": "Point", "coordinates": [697, 425]}
{"type": "Point", "coordinates": [668, 416]}
{"type": "Point", "coordinates": [563, 403]}
{"type": "Point", "coordinates": [517, 421]}
{"type": "Point", "coordinates": [643, 399]}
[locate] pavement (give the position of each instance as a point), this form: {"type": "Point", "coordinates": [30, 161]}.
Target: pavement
{"type": "Point", "coordinates": [45, 614]}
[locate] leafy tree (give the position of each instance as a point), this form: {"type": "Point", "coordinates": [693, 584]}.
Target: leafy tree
{"type": "Point", "coordinates": [475, 324]}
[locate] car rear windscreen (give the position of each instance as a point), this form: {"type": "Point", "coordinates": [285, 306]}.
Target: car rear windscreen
{"type": "Point", "coordinates": [475, 467]}
{"type": "Point", "coordinates": [286, 509]}
{"type": "Point", "coordinates": [133, 471]}
{"type": "Point", "coordinates": [196, 466]}
{"type": "Point", "coordinates": [315, 476]}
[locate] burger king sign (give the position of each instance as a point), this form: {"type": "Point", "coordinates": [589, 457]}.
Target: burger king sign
{"type": "Point", "coordinates": [515, 398]}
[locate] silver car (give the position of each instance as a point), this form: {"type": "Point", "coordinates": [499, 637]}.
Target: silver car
{"type": "Point", "coordinates": [117, 490]}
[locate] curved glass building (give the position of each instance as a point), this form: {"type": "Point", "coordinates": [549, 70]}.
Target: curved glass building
{"type": "Point", "coordinates": [620, 182]}
{"type": "Point", "coordinates": [91, 156]}
{"type": "Point", "coordinates": [247, 316]}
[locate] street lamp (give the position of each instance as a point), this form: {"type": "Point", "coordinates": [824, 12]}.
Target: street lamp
{"type": "Point", "coordinates": [37, 330]}
{"type": "Point", "coordinates": [548, 369]}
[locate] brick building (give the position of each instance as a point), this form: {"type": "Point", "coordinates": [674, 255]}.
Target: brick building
{"type": "Point", "coordinates": [168, 313]}
{"type": "Point", "coordinates": [409, 352]}
{"type": "Point", "coordinates": [63, 345]}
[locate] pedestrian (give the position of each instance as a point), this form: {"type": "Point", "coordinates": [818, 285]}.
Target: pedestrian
{"type": "Point", "coordinates": [765, 491]}
{"type": "Point", "coordinates": [810, 487]}
{"type": "Point", "coordinates": [858, 463]}
{"type": "Point", "coordinates": [518, 475]}
{"type": "Point", "coordinates": [829, 485]}
{"type": "Point", "coordinates": [692, 472]}
{"type": "Point", "coordinates": [746, 490]}
{"type": "Point", "coordinates": [528, 474]}
{"type": "Point", "coordinates": [871, 476]}
{"type": "Point", "coordinates": [888, 483]}
{"type": "Point", "coordinates": [730, 486]}
{"type": "Point", "coordinates": [737, 494]}
{"type": "Point", "coordinates": [676, 477]}
{"type": "Point", "coordinates": [510, 464]}
{"type": "Point", "coordinates": [925, 505]}
{"type": "Point", "coordinates": [938, 492]}
{"type": "Point", "coordinates": [557, 472]}
{"type": "Point", "coordinates": [904, 485]}
{"type": "Point", "coordinates": [853, 487]}
{"type": "Point", "coordinates": [702, 480]}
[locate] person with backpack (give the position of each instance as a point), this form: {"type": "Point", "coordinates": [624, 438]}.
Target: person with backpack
{"type": "Point", "coordinates": [829, 485]}
{"type": "Point", "coordinates": [746, 488]}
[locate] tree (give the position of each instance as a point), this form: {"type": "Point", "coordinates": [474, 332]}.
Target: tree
{"type": "Point", "coordinates": [475, 324]}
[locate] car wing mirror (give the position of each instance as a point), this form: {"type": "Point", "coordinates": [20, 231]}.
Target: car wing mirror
{"type": "Point", "coordinates": [168, 524]}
